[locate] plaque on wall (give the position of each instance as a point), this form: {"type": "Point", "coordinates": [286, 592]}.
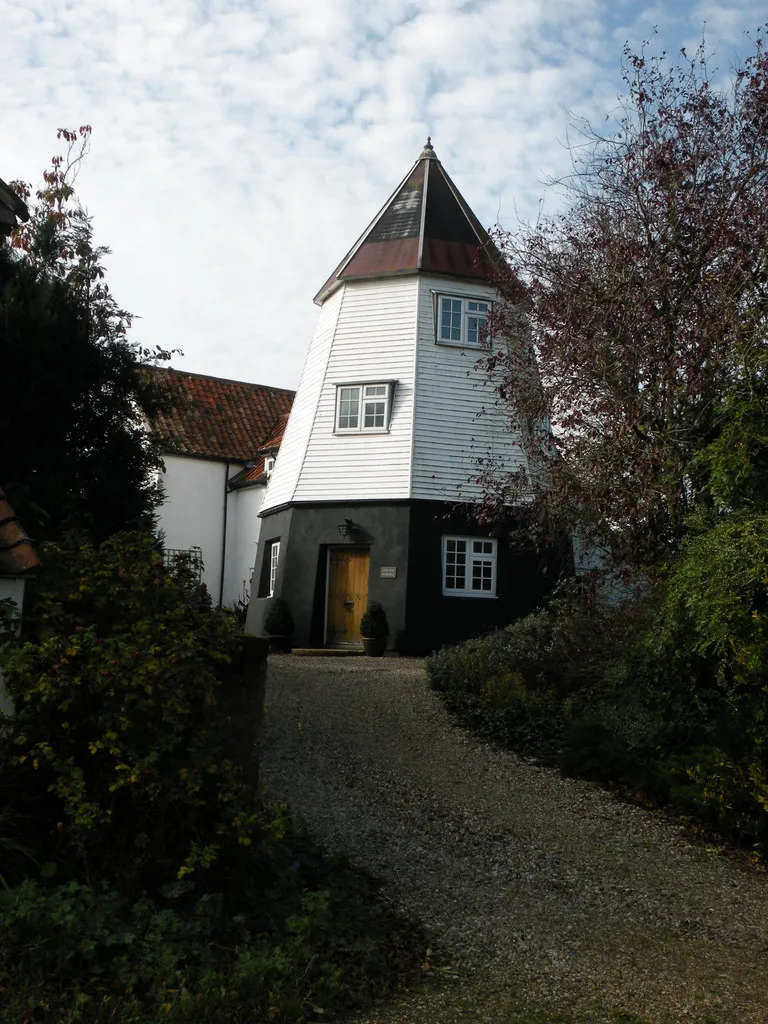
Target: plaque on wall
{"type": "Point", "coordinates": [388, 572]}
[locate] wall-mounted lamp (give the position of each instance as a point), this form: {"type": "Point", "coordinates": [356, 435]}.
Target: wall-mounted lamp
{"type": "Point", "coordinates": [348, 528]}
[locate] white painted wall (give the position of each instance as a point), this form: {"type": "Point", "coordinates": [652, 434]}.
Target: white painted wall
{"type": "Point", "coordinates": [242, 537]}
{"type": "Point", "coordinates": [457, 417]}
{"type": "Point", "coordinates": [10, 590]}
{"type": "Point", "coordinates": [192, 514]}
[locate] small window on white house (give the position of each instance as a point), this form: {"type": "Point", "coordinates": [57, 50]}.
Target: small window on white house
{"type": "Point", "coordinates": [462, 321]}
{"type": "Point", "coordinates": [363, 407]}
{"type": "Point", "coordinates": [274, 558]}
{"type": "Point", "coordinates": [469, 567]}
{"type": "Point", "coordinates": [269, 465]}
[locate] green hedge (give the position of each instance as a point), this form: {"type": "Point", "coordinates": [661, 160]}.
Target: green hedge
{"type": "Point", "coordinates": [667, 694]}
{"type": "Point", "coordinates": [141, 878]}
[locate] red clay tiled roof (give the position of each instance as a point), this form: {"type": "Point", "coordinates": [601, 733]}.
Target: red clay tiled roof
{"type": "Point", "coordinates": [251, 474]}
{"type": "Point", "coordinates": [216, 418]}
{"type": "Point", "coordinates": [254, 471]}
{"type": "Point", "coordinates": [276, 439]}
{"type": "Point", "coordinates": [11, 207]}
{"type": "Point", "coordinates": [17, 555]}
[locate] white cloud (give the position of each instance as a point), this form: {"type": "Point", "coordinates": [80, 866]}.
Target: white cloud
{"type": "Point", "coordinates": [239, 148]}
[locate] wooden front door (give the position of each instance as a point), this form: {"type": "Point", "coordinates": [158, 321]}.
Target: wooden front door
{"type": "Point", "coordinates": [347, 594]}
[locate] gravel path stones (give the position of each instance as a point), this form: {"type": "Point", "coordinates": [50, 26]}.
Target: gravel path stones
{"type": "Point", "coordinates": [538, 890]}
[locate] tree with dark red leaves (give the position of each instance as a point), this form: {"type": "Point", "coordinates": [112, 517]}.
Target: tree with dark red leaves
{"type": "Point", "coordinates": [646, 304]}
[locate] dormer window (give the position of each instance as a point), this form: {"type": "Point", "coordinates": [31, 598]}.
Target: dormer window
{"type": "Point", "coordinates": [269, 465]}
{"type": "Point", "coordinates": [461, 320]}
{"type": "Point", "coordinates": [363, 407]}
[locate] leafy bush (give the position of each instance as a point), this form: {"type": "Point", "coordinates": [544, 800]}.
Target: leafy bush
{"type": "Point", "coordinates": [17, 857]}
{"type": "Point", "coordinates": [480, 681]}
{"type": "Point", "coordinates": [526, 683]}
{"type": "Point", "coordinates": [158, 886]}
{"type": "Point", "coordinates": [373, 623]}
{"type": "Point", "coordinates": [279, 621]}
{"type": "Point", "coordinates": [713, 622]}
{"type": "Point", "coordinates": [711, 636]}
{"type": "Point", "coordinates": [288, 950]}
{"type": "Point", "coordinates": [113, 743]}
{"type": "Point", "coordinates": [728, 793]}
{"type": "Point", "coordinates": [667, 694]}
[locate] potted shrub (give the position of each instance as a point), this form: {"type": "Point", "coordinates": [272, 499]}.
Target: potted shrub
{"type": "Point", "coordinates": [278, 626]}
{"type": "Point", "coordinates": [374, 630]}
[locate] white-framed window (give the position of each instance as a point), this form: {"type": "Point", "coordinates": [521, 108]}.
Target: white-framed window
{"type": "Point", "coordinates": [363, 407]}
{"type": "Point", "coordinates": [274, 558]}
{"type": "Point", "coordinates": [269, 465]}
{"type": "Point", "coordinates": [462, 320]}
{"type": "Point", "coordinates": [469, 567]}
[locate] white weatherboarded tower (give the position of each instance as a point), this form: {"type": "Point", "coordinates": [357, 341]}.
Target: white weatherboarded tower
{"type": "Point", "coordinates": [368, 498]}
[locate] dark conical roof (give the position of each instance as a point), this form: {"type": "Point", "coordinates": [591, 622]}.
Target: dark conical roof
{"type": "Point", "coordinates": [425, 225]}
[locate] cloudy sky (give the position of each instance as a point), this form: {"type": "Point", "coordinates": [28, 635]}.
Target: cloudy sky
{"type": "Point", "coordinates": [240, 146]}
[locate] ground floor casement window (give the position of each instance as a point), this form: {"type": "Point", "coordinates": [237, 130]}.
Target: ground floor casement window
{"type": "Point", "coordinates": [269, 564]}
{"type": "Point", "coordinates": [274, 558]}
{"type": "Point", "coordinates": [469, 567]}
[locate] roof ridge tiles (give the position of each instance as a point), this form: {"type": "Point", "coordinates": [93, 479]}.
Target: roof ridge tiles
{"type": "Point", "coordinates": [226, 380]}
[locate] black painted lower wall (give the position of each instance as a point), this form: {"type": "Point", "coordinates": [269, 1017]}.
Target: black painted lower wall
{"type": "Point", "coordinates": [407, 537]}
{"type": "Point", "coordinates": [432, 619]}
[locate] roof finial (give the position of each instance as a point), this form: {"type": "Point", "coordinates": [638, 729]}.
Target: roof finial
{"type": "Point", "coordinates": [428, 153]}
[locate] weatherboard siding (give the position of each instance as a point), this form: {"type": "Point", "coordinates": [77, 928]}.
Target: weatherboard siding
{"type": "Point", "coordinates": [457, 419]}
{"type": "Point", "coordinates": [285, 476]}
{"type": "Point", "coordinates": [373, 340]}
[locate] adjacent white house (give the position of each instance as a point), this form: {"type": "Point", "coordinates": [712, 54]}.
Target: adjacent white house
{"type": "Point", "coordinates": [17, 562]}
{"type": "Point", "coordinates": [220, 439]}
{"type": "Point", "coordinates": [371, 498]}
{"type": "Point", "coordinates": [12, 209]}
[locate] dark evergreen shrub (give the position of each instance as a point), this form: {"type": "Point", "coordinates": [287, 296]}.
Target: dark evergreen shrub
{"type": "Point", "coordinates": [374, 623]}
{"type": "Point", "coordinates": [279, 621]}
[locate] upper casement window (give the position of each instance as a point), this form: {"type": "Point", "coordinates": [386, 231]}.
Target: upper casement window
{"type": "Point", "coordinates": [469, 567]}
{"type": "Point", "coordinates": [462, 320]}
{"type": "Point", "coordinates": [363, 407]}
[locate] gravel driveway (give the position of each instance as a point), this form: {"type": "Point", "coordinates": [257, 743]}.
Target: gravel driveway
{"type": "Point", "coordinates": [537, 890]}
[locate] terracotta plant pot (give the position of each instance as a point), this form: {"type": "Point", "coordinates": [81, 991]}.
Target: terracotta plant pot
{"type": "Point", "coordinates": [373, 646]}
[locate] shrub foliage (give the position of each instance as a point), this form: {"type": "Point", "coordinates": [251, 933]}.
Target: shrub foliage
{"type": "Point", "coordinates": [114, 690]}
{"type": "Point", "coordinates": [667, 694]}
{"type": "Point", "coordinates": [635, 375]}
{"type": "Point", "coordinates": [142, 878]}
{"type": "Point", "coordinates": [72, 390]}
